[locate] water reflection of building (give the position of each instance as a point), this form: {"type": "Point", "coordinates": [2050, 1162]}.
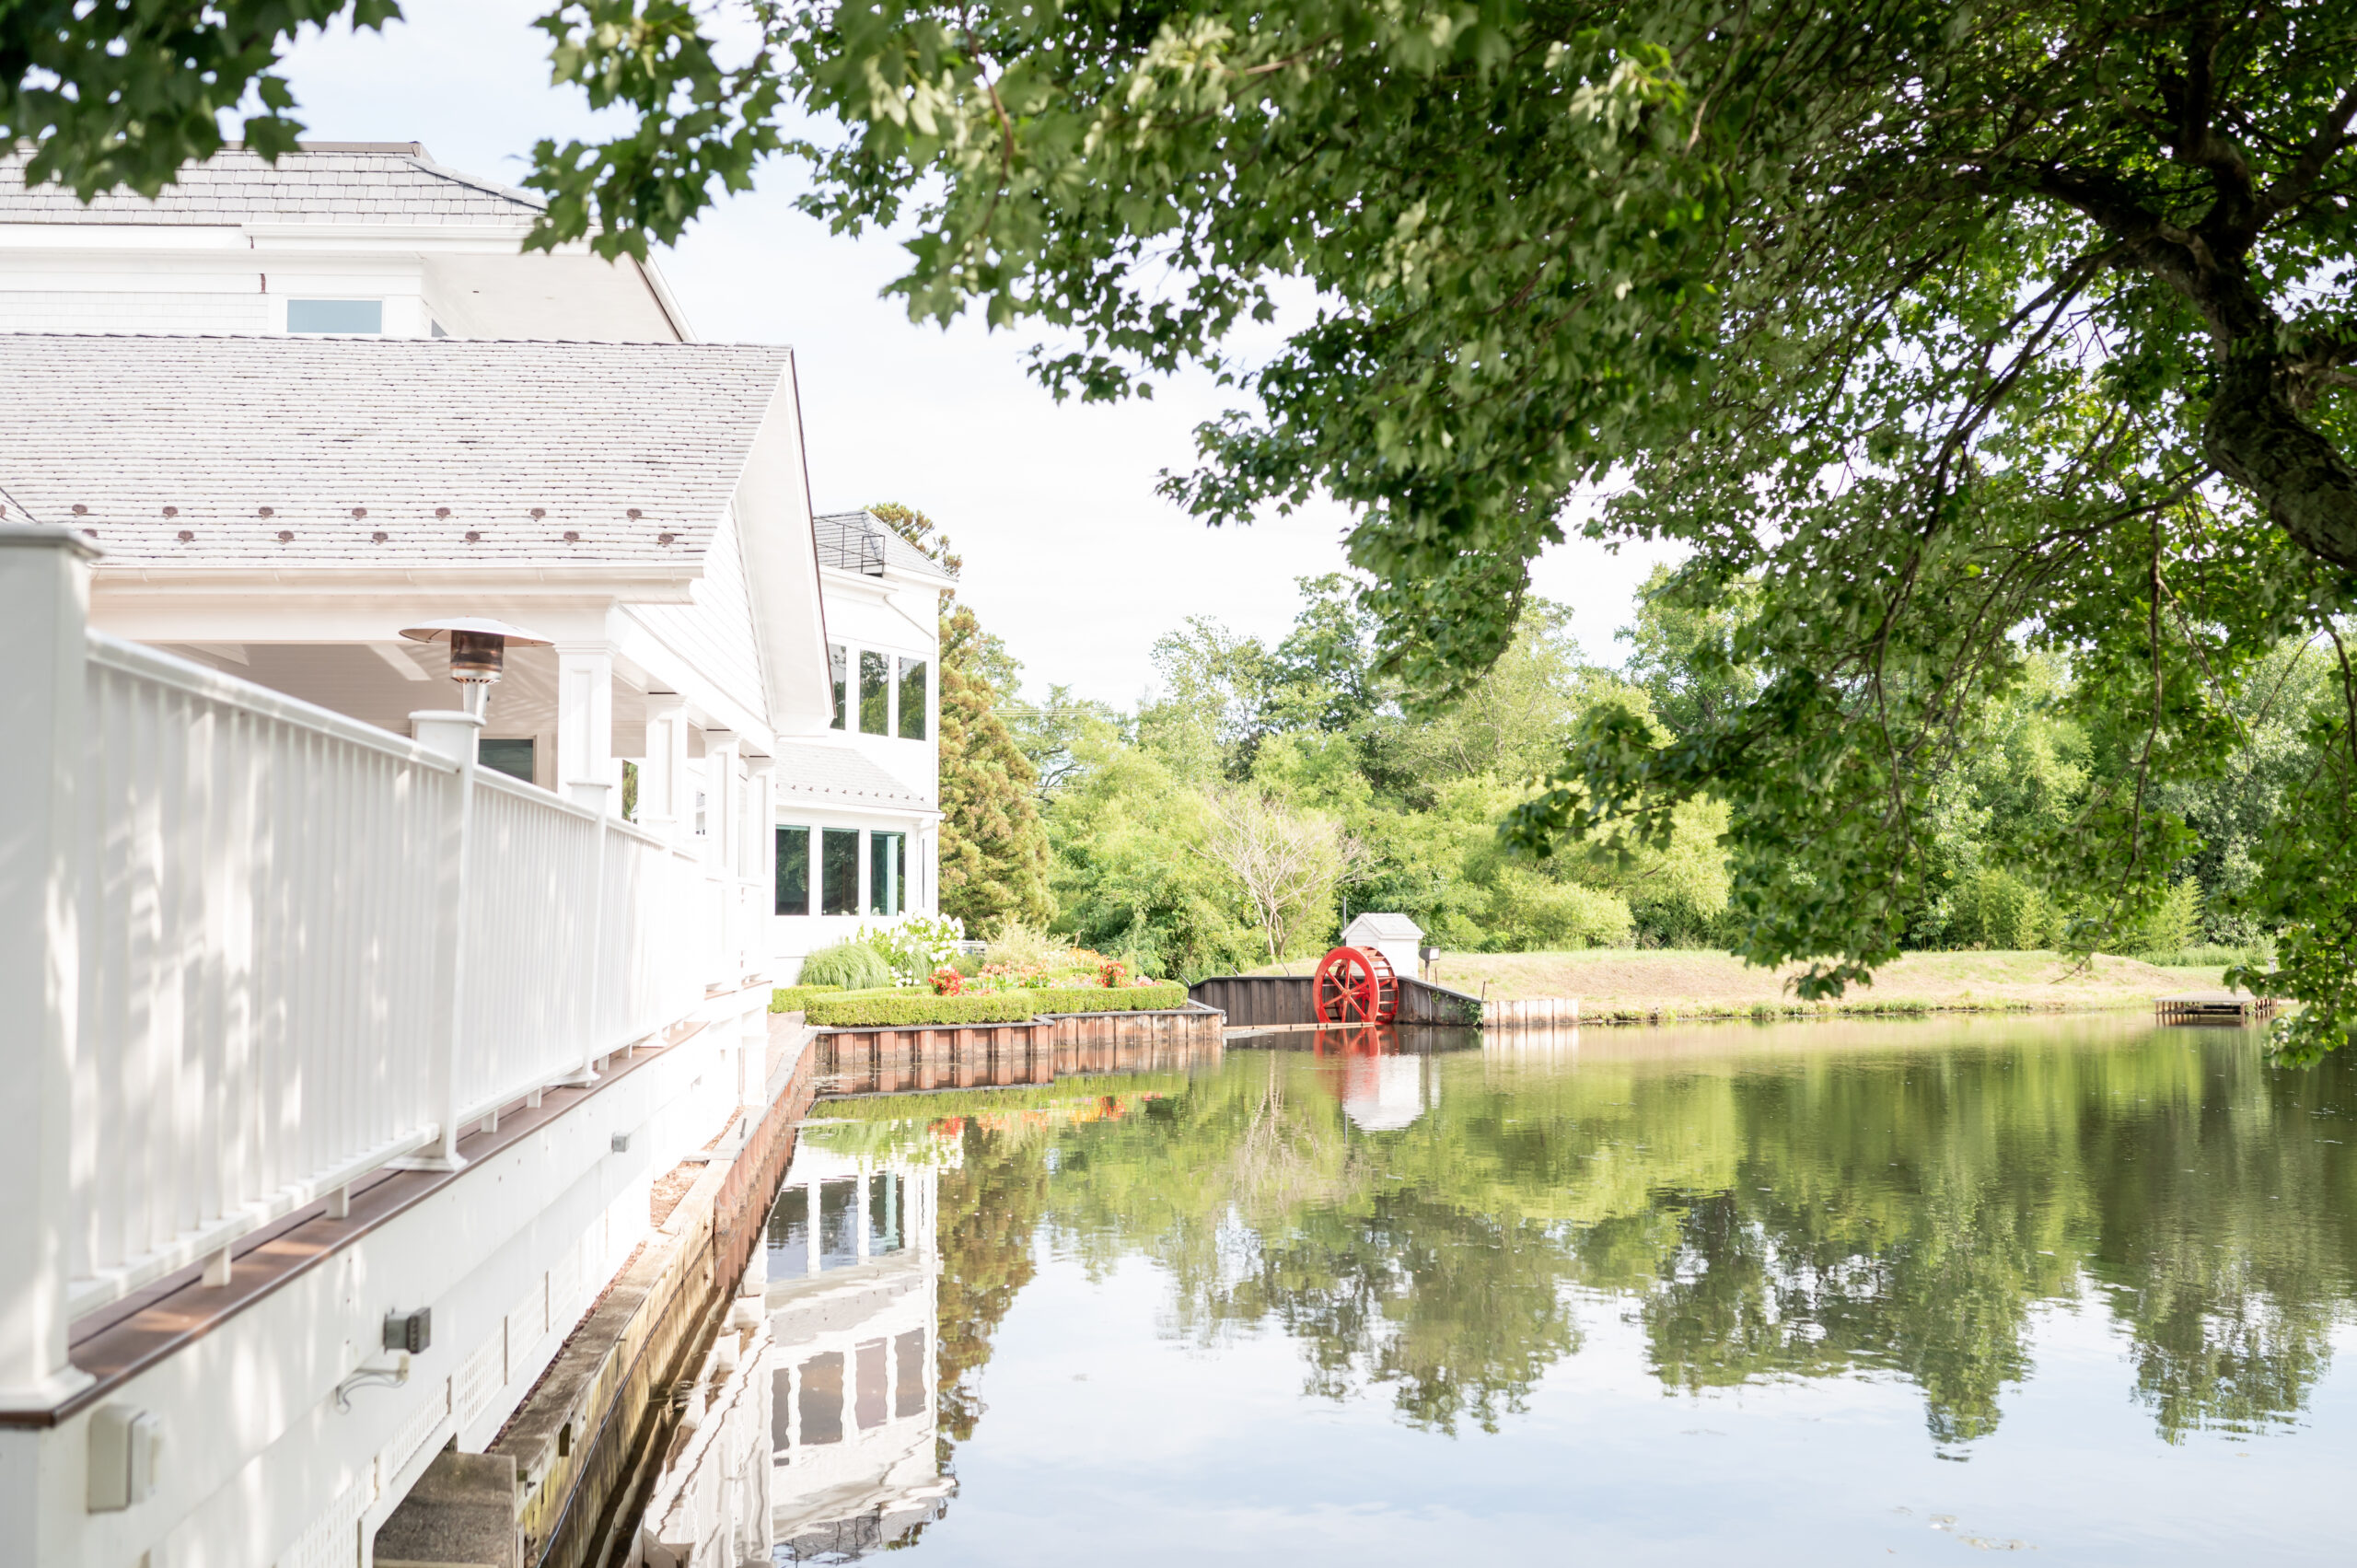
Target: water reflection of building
{"type": "Point", "coordinates": [1385, 1083]}
{"type": "Point", "coordinates": [851, 1275]}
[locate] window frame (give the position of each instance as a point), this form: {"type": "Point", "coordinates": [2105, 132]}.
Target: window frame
{"type": "Point", "coordinates": [905, 665]}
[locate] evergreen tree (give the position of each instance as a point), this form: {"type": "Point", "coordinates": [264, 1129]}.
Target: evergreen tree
{"type": "Point", "coordinates": [994, 849]}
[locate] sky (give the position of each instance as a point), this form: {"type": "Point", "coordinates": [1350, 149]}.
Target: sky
{"type": "Point", "coordinates": [1069, 553]}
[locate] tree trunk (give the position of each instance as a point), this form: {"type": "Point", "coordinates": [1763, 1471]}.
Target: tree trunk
{"type": "Point", "coordinates": [2258, 440]}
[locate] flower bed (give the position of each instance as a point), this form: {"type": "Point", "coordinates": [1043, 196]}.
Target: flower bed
{"type": "Point", "coordinates": [863, 1010]}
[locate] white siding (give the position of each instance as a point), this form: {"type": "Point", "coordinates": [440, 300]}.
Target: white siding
{"type": "Point", "coordinates": [716, 633]}
{"type": "Point", "coordinates": [144, 310]}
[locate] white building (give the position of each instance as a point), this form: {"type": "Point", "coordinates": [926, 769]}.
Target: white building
{"type": "Point", "coordinates": [376, 486]}
{"type": "Point", "coordinates": [337, 238]}
{"type": "Point", "coordinates": [314, 1023]}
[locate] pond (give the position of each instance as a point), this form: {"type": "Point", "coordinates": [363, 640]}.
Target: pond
{"type": "Point", "coordinates": [1808, 1294]}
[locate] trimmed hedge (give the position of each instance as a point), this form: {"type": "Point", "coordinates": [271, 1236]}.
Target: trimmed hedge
{"type": "Point", "coordinates": [786, 998]}
{"type": "Point", "coordinates": [1111, 999]}
{"type": "Point", "coordinates": [852, 1010]}
{"type": "Point", "coordinates": [843, 1011]}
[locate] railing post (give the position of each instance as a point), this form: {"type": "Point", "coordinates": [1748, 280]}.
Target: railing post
{"type": "Point", "coordinates": [44, 644]}
{"type": "Point", "coordinates": [602, 974]}
{"type": "Point", "coordinates": [450, 733]}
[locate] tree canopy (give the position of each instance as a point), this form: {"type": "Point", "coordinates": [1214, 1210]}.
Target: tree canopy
{"type": "Point", "coordinates": [1944, 336]}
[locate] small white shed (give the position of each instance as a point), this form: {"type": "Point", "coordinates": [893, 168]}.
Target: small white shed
{"type": "Point", "coordinates": [1395, 936]}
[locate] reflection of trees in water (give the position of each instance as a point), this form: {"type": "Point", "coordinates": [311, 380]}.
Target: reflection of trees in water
{"type": "Point", "coordinates": [1811, 1214]}
{"type": "Point", "coordinates": [988, 1207]}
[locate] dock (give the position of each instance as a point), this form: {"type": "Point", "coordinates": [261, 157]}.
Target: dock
{"type": "Point", "coordinates": [2214, 1007]}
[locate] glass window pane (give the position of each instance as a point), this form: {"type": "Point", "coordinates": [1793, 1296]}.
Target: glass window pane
{"type": "Point", "coordinates": [883, 867]}
{"type": "Point", "coordinates": [335, 315]}
{"type": "Point", "coordinates": [794, 871]}
{"type": "Point", "coordinates": [882, 1213]}
{"type": "Point", "coordinates": [839, 660]}
{"type": "Point", "coordinates": [908, 1379]}
{"type": "Point", "coordinates": [838, 871]}
{"type": "Point", "coordinates": [875, 695]}
{"type": "Point", "coordinates": [513, 757]}
{"type": "Point", "coordinates": [781, 1409]}
{"type": "Point", "coordinates": [822, 1399]}
{"type": "Point", "coordinates": [839, 1222]}
{"type": "Point", "coordinates": [871, 1383]}
{"type": "Point", "coordinates": [788, 1237]}
{"type": "Point", "coordinates": [913, 710]}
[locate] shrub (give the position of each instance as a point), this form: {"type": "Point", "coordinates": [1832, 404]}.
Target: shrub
{"type": "Point", "coordinates": [1996, 909]}
{"type": "Point", "coordinates": [1158, 997]}
{"type": "Point", "coordinates": [788, 998]}
{"type": "Point", "coordinates": [1018, 945]}
{"type": "Point", "coordinates": [916, 944]}
{"type": "Point", "coordinates": [2173, 924]}
{"type": "Point", "coordinates": [908, 1008]}
{"type": "Point", "coordinates": [847, 966]}
{"type": "Point", "coordinates": [901, 1009]}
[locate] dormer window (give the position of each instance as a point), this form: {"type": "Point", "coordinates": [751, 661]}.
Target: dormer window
{"type": "Point", "coordinates": [335, 316]}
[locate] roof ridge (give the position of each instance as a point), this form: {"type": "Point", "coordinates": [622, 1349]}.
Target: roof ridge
{"type": "Point", "coordinates": [434, 344]}
{"type": "Point", "coordinates": [423, 160]}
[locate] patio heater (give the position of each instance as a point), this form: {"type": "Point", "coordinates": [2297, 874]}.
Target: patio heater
{"type": "Point", "coordinates": [478, 652]}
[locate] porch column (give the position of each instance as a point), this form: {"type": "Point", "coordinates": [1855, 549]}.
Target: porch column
{"type": "Point", "coordinates": [721, 801]}
{"type": "Point", "coordinates": [760, 872]}
{"type": "Point", "coordinates": [584, 725]}
{"type": "Point", "coordinates": [760, 824]}
{"type": "Point", "coordinates": [44, 610]}
{"type": "Point", "coordinates": [661, 805]}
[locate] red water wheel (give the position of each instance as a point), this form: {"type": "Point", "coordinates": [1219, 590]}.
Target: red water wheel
{"type": "Point", "coordinates": [1355, 985]}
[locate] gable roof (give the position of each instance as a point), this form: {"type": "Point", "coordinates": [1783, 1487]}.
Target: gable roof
{"type": "Point", "coordinates": [839, 773]}
{"type": "Point", "coordinates": [855, 541]}
{"type": "Point", "coordinates": [300, 452]}
{"type": "Point", "coordinates": [341, 182]}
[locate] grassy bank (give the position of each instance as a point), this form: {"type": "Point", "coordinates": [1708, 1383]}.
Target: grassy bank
{"type": "Point", "coordinates": [1634, 985]}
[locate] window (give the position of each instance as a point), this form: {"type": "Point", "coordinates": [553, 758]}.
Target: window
{"type": "Point", "coordinates": [912, 699]}
{"type": "Point", "coordinates": [838, 871]}
{"type": "Point", "coordinates": [794, 871]}
{"type": "Point", "coordinates": [789, 1235]}
{"type": "Point", "coordinates": [839, 1219]}
{"type": "Point", "coordinates": [822, 1399]}
{"type": "Point", "coordinates": [887, 865]}
{"type": "Point", "coordinates": [868, 1356]}
{"type": "Point", "coordinates": [839, 660]}
{"type": "Point", "coordinates": [513, 757]}
{"type": "Point", "coordinates": [335, 315]}
{"type": "Point", "coordinates": [882, 1213]}
{"type": "Point", "coordinates": [781, 1409]}
{"type": "Point", "coordinates": [700, 823]}
{"type": "Point", "coordinates": [875, 693]}
{"type": "Point", "coordinates": [908, 1388]}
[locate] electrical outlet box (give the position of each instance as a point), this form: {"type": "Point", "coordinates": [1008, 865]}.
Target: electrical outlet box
{"type": "Point", "coordinates": [621, 1143]}
{"type": "Point", "coordinates": [125, 1445]}
{"type": "Point", "coordinates": [411, 1331]}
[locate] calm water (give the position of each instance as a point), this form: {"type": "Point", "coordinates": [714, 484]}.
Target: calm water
{"type": "Point", "coordinates": [1815, 1293]}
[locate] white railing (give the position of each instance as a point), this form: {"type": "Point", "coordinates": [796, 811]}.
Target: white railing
{"type": "Point", "coordinates": [254, 947]}
{"type": "Point", "coordinates": [266, 929]}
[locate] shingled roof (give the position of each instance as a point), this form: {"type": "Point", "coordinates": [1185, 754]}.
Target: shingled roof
{"type": "Point", "coordinates": [841, 776]}
{"type": "Point", "coordinates": [856, 542]}
{"type": "Point", "coordinates": [379, 182]}
{"type": "Point", "coordinates": [368, 452]}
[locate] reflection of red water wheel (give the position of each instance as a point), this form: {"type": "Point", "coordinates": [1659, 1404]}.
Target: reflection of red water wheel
{"type": "Point", "coordinates": [1357, 986]}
